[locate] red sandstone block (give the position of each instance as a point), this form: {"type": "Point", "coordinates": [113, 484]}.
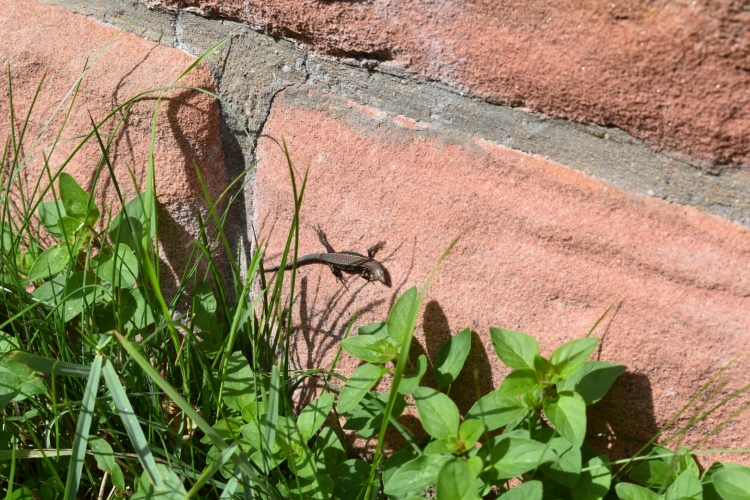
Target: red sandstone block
{"type": "Point", "coordinates": [673, 74]}
{"type": "Point", "coordinates": [550, 249]}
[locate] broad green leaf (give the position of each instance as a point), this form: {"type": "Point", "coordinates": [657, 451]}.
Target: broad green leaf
{"type": "Point", "coordinates": [410, 382]}
{"type": "Point", "coordinates": [290, 441]}
{"type": "Point", "coordinates": [127, 226]}
{"type": "Point", "coordinates": [438, 413]}
{"type": "Point", "coordinates": [21, 493]}
{"type": "Point", "coordinates": [543, 368]}
{"type": "Point", "coordinates": [254, 408]}
{"type": "Point", "coordinates": [9, 343]}
{"type": "Point", "coordinates": [513, 456]}
{"type": "Point", "coordinates": [733, 483]}
{"type": "Point", "coordinates": [119, 267]}
{"type": "Point", "coordinates": [415, 475]}
{"type": "Point", "coordinates": [595, 482]}
{"type": "Point", "coordinates": [653, 473]}
{"type": "Point", "coordinates": [253, 433]}
{"type": "Point", "coordinates": [49, 215]}
{"type": "Point", "coordinates": [105, 459]}
{"type": "Point", "coordinates": [204, 310]}
{"type": "Point", "coordinates": [518, 382]}
{"type": "Point", "coordinates": [470, 432]}
{"type": "Point", "coordinates": [171, 488]}
{"type": "Point", "coordinates": [686, 461]}
{"type": "Point", "coordinates": [239, 383]}
{"type": "Point", "coordinates": [394, 462]}
{"type": "Point", "coordinates": [687, 485]}
{"type": "Point", "coordinates": [399, 319]}
{"type": "Point", "coordinates": [592, 380]}
{"type": "Point", "coordinates": [114, 313]}
{"type": "Point", "coordinates": [362, 380]}
{"type": "Point", "coordinates": [377, 329]}
{"type": "Point", "coordinates": [530, 490]}
{"type": "Point", "coordinates": [451, 358]}
{"type": "Point", "coordinates": [567, 413]}
{"type": "Point", "coordinates": [515, 349]}
{"type": "Point", "coordinates": [366, 418]}
{"type": "Point", "coordinates": [76, 201]}
{"type": "Point", "coordinates": [80, 293]}
{"type": "Point", "coordinates": [371, 348]}
{"type": "Point", "coordinates": [227, 429]}
{"type": "Point", "coordinates": [312, 416]}
{"type": "Point", "coordinates": [82, 429]}
{"type": "Point", "coordinates": [349, 477]}
{"type": "Point", "coordinates": [146, 311]}
{"type": "Point", "coordinates": [315, 487]}
{"type": "Point", "coordinates": [570, 357]}
{"type": "Point", "coordinates": [328, 452]}
{"type": "Point", "coordinates": [496, 411]}
{"type": "Point", "coordinates": [567, 469]}
{"type": "Point", "coordinates": [456, 481]}
{"type": "Point", "coordinates": [444, 446]}
{"type": "Point", "coordinates": [16, 380]}
{"type": "Point", "coordinates": [50, 262]}
{"type": "Point", "coordinates": [476, 464]}
{"type": "Point", "coordinates": [628, 491]}
{"type": "Point", "coordinates": [70, 229]}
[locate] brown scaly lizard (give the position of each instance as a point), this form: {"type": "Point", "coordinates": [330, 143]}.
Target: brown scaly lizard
{"type": "Point", "coordinates": [352, 262]}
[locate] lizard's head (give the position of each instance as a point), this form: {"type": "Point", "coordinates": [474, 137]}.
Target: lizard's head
{"type": "Point", "coordinates": [378, 274]}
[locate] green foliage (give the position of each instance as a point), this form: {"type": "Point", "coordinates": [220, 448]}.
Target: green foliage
{"type": "Point", "coordinates": [108, 385]}
{"type": "Point", "coordinates": [451, 358]}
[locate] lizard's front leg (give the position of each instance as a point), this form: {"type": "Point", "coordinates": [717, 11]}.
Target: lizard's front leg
{"type": "Point", "coordinates": [339, 275]}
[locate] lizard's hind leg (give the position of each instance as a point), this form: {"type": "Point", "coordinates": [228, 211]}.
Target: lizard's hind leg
{"type": "Point", "coordinates": [324, 240]}
{"type": "Point", "coordinates": [374, 249]}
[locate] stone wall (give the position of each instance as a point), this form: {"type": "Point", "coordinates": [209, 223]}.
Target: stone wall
{"type": "Point", "coordinates": [598, 151]}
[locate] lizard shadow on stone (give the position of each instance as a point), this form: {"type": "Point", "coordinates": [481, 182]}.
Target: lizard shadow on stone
{"type": "Point", "coordinates": [321, 332]}
{"type": "Point", "coordinates": [399, 288]}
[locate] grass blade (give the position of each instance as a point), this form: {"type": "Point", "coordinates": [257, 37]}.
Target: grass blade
{"type": "Point", "coordinates": [82, 430]}
{"type": "Point", "coordinates": [190, 412]}
{"type": "Point", "coordinates": [212, 469]}
{"type": "Point", "coordinates": [200, 59]}
{"type": "Point", "coordinates": [51, 366]}
{"type": "Point", "coordinates": [129, 420]}
{"type": "Point", "coordinates": [272, 418]}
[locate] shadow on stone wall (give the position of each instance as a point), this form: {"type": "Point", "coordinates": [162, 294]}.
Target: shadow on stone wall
{"type": "Point", "coordinates": [623, 421]}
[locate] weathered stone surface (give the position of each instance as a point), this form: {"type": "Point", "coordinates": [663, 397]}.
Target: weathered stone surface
{"type": "Point", "coordinates": [675, 75]}
{"type": "Point", "coordinates": [549, 250]}
{"type": "Point", "coordinates": [43, 41]}
{"type": "Point", "coordinates": [252, 67]}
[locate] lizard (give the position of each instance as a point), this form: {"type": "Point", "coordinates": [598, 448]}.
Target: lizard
{"type": "Point", "coordinates": [352, 262]}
